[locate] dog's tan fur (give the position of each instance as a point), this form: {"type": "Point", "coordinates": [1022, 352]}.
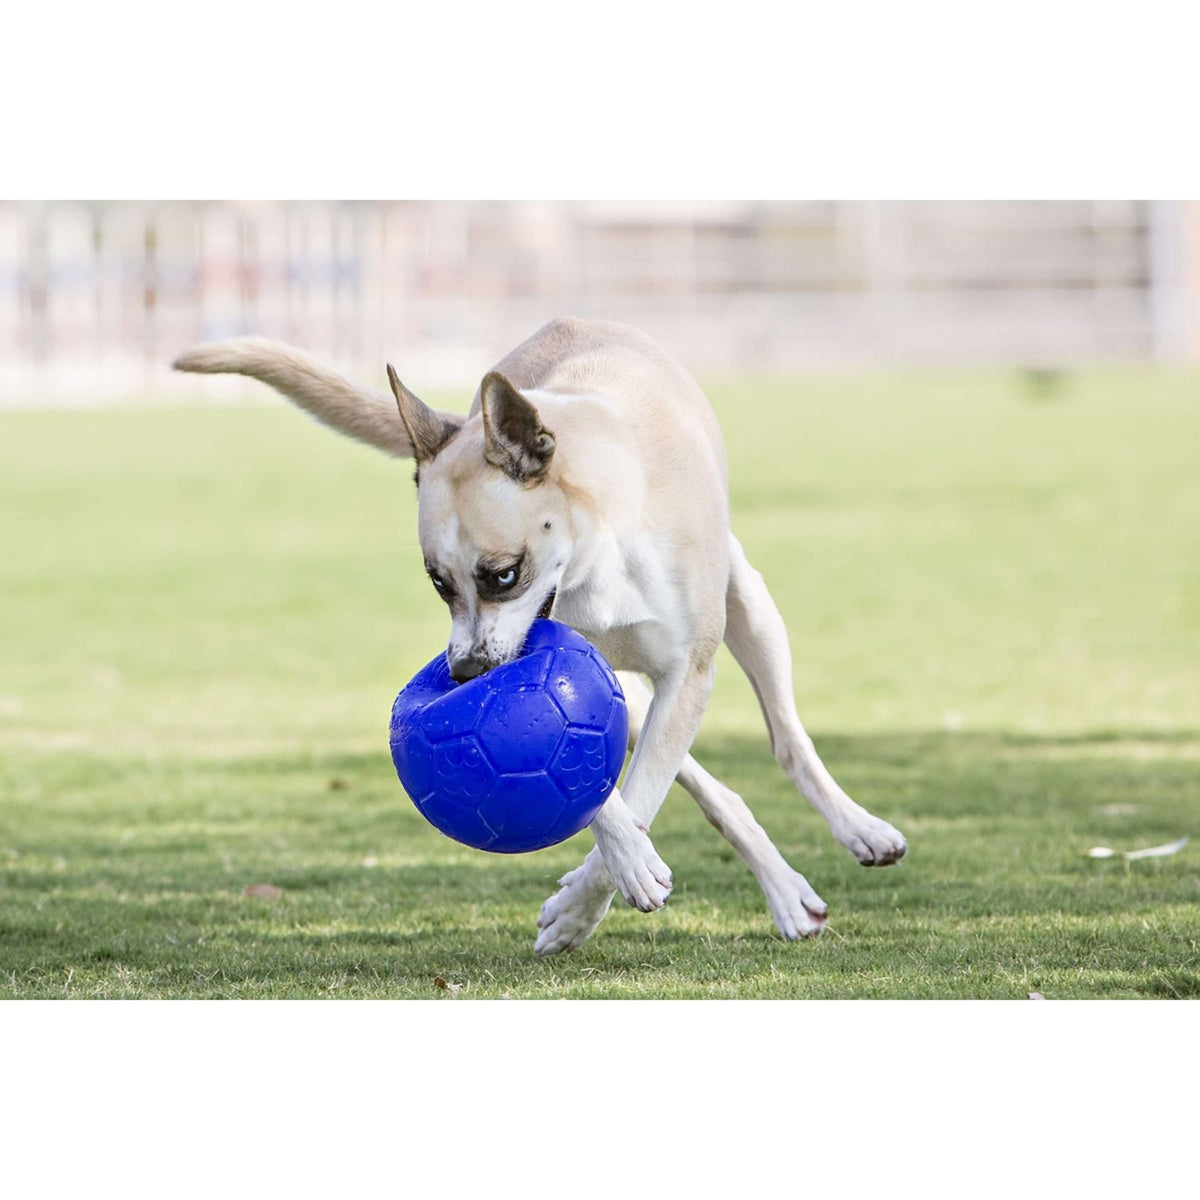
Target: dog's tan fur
{"type": "Point", "coordinates": [590, 471]}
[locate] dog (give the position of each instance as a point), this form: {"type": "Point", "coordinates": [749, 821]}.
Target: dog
{"type": "Point", "coordinates": [589, 480]}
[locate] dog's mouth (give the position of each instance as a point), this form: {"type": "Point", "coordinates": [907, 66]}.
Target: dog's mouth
{"type": "Point", "coordinates": [468, 666]}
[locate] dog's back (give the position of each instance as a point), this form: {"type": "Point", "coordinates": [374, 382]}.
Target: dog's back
{"type": "Point", "coordinates": [653, 392]}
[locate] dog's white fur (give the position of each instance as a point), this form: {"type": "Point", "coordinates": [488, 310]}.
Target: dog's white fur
{"type": "Point", "coordinates": [591, 470]}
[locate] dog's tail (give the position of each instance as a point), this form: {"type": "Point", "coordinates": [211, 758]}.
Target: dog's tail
{"type": "Point", "coordinates": [366, 414]}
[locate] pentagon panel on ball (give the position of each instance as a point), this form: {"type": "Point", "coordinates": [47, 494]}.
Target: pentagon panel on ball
{"type": "Point", "coordinates": [521, 757]}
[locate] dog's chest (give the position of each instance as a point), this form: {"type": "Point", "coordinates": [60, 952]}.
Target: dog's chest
{"type": "Point", "coordinates": [649, 648]}
{"type": "Point", "coordinates": [627, 606]}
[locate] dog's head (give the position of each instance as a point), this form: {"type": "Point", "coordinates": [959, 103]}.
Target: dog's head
{"type": "Point", "coordinates": [492, 522]}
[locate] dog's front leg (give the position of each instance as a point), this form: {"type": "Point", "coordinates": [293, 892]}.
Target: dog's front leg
{"type": "Point", "coordinates": [629, 857]}
{"type": "Point", "coordinates": [624, 854]}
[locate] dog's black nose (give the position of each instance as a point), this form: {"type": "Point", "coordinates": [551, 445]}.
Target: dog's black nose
{"type": "Point", "coordinates": [466, 668]}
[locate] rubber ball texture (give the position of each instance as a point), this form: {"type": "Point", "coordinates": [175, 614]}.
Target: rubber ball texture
{"type": "Point", "coordinates": [521, 757]}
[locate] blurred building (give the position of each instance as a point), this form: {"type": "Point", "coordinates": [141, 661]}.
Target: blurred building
{"type": "Point", "coordinates": [96, 298]}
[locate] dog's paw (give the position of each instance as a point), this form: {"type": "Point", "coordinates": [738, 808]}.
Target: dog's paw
{"type": "Point", "coordinates": [798, 911]}
{"type": "Point", "coordinates": [630, 859]}
{"type": "Point", "coordinates": [568, 918]}
{"type": "Point", "coordinates": [641, 876]}
{"type": "Point", "coordinates": [873, 842]}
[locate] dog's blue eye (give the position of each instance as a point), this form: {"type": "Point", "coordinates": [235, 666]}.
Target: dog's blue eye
{"type": "Point", "coordinates": [438, 582]}
{"type": "Point", "coordinates": [506, 579]}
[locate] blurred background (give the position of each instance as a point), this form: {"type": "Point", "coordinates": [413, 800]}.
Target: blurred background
{"type": "Point", "coordinates": [97, 297]}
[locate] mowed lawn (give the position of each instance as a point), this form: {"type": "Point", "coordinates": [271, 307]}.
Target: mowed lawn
{"type": "Point", "coordinates": [993, 591]}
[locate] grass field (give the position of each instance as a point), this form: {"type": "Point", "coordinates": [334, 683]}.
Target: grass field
{"type": "Point", "coordinates": [994, 601]}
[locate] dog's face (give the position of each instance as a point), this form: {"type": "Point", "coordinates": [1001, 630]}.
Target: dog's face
{"type": "Point", "coordinates": [492, 524]}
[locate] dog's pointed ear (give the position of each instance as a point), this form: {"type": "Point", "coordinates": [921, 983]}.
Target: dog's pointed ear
{"type": "Point", "coordinates": [514, 439]}
{"type": "Point", "coordinates": [428, 431]}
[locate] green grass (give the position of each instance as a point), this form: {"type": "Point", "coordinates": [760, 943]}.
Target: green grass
{"type": "Point", "coordinates": [994, 601]}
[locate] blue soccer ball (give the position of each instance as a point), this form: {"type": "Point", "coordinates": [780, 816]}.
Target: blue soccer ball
{"type": "Point", "coordinates": [518, 758]}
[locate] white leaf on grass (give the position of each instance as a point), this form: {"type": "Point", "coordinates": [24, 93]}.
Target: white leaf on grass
{"type": "Point", "coordinates": [1129, 855]}
{"type": "Point", "coordinates": [1158, 851]}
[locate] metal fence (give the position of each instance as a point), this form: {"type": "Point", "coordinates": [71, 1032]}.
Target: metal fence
{"type": "Point", "coordinates": [96, 298]}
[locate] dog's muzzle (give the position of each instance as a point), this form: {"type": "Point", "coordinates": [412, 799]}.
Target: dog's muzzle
{"type": "Point", "coordinates": [468, 667]}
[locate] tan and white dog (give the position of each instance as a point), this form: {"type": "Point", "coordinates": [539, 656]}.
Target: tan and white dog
{"type": "Point", "coordinates": [590, 476]}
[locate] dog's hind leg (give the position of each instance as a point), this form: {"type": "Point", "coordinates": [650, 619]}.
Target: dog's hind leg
{"type": "Point", "coordinates": [571, 914]}
{"type": "Point", "coordinates": [755, 633]}
{"type": "Point", "coordinates": [798, 911]}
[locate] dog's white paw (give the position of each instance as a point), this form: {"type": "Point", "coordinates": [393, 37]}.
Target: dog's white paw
{"type": "Point", "coordinates": [873, 842]}
{"type": "Point", "coordinates": [798, 911]}
{"type": "Point", "coordinates": [629, 857]}
{"type": "Point", "coordinates": [569, 916]}
{"type": "Point", "coordinates": [641, 876]}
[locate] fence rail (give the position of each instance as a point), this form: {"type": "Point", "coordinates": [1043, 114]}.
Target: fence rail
{"type": "Point", "coordinates": [96, 298]}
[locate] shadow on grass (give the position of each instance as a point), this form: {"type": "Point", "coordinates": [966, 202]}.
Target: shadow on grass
{"type": "Point", "coordinates": [128, 878]}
